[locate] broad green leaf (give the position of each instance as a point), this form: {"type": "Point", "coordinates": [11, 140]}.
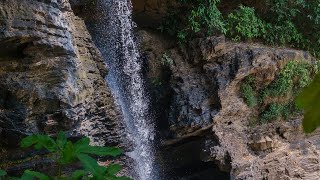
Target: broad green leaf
{"type": "Point", "coordinates": [46, 142]}
{"type": "Point", "coordinates": [84, 142]}
{"type": "Point", "coordinates": [82, 146]}
{"type": "Point", "coordinates": [26, 177]}
{"type": "Point", "coordinates": [309, 100]}
{"type": "Point", "coordinates": [28, 141]}
{"type": "Point", "coordinates": [39, 141]}
{"type": "Point", "coordinates": [91, 165]}
{"type": "Point", "coordinates": [113, 169]}
{"type": "Point", "coordinates": [61, 139]}
{"type": "Point", "coordinates": [78, 174]}
{"type": "Point", "coordinates": [32, 174]}
{"type": "Point", "coordinates": [2, 173]}
{"type": "Point", "coordinates": [68, 153]}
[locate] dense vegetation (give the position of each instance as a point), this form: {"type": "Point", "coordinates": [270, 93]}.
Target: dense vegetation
{"type": "Point", "coordinates": [65, 153]}
{"type": "Point", "coordinates": [294, 23]}
{"type": "Point", "coordinates": [291, 23]}
{"type": "Point", "coordinates": [276, 101]}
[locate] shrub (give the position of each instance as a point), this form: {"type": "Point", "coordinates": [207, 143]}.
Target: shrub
{"type": "Point", "coordinates": [194, 17]}
{"type": "Point", "coordinates": [274, 111]}
{"type": "Point", "coordinates": [282, 33]}
{"type": "Point", "coordinates": [243, 24]}
{"type": "Point", "coordinates": [248, 92]}
{"type": "Point", "coordinates": [295, 76]}
{"type": "Point", "coordinates": [294, 23]}
{"type": "Point", "coordinates": [206, 15]}
{"type": "Point", "coordinates": [65, 153]}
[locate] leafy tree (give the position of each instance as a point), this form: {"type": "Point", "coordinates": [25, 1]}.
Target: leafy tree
{"type": "Point", "coordinates": [65, 153]}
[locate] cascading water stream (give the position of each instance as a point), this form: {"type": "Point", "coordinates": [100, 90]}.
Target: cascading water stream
{"type": "Point", "coordinates": [114, 37]}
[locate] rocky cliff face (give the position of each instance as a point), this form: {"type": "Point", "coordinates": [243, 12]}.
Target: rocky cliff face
{"type": "Point", "coordinates": [205, 104]}
{"type": "Point", "coordinates": [51, 76]}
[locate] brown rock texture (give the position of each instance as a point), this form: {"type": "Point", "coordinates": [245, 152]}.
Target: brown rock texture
{"type": "Point", "coordinates": [205, 82]}
{"type": "Point", "coordinates": [51, 76]}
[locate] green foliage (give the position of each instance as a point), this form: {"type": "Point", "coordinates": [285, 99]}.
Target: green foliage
{"type": "Point", "coordinates": [276, 101]}
{"type": "Point", "coordinates": [273, 112]}
{"type": "Point", "coordinates": [243, 24]}
{"type": "Point", "coordinates": [2, 173]}
{"type": "Point", "coordinates": [66, 153]}
{"type": "Point", "coordinates": [206, 15]}
{"type": "Point", "coordinates": [294, 23]}
{"type": "Point", "coordinates": [248, 93]}
{"type": "Point", "coordinates": [282, 34]}
{"type": "Point", "coordinates": [309, 100]}
{"type": "Point", "coordinates": [293, 77]}
{"type": "Point", "coordinates": [202, 17]}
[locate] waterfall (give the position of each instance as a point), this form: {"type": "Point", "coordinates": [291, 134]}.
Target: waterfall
{"type": "Point", "coordinates": [115, 39]}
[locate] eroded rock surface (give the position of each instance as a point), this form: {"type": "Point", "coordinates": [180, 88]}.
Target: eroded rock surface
{"type": "Point", "coordinates": [205, 82]}
{"type": "Point", "coordinates": [51, 76]}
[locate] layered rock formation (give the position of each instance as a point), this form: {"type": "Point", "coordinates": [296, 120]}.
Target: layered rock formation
{"type": "Point", "coordinates": [51, 76]}
{"type": "Point", "coordinates": [205, 80]}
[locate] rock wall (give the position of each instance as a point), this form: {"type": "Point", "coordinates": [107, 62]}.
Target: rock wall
{"type": "Point", "coordinates": [51, 76]}
{"type": "Point", "coordinates": [205, 80]}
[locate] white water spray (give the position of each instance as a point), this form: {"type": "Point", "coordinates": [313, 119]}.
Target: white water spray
{"type": "Point", "coordinates": [116, 41]}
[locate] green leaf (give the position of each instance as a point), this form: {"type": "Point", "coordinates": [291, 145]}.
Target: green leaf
{"type": "Point", "coordinates": [78, 174]}
{"type": "Point", "coordinates": [82, 146]}
{"type": "Point", "coordinates": [32, 174]}
{"type": "Point", "coordinates": [46, 142]}
{"type": "Point", "coordinates": [2, 173]}
{"type": "Point", "coordinates": [84, 142]}
{"type": "Point", "coordinates": [309, 100]}
{"type": "Point", "coordinates": [113, 169]}
{"type": "Point", "coordinates": [28, 141]}
{"type": "Point", "coordinates": [40, 141]}
{"type": "Point", "coordinates": [61, 139]}
{"type": "Point", "coordinates": [91, 165]}
{"type": "Point", "coordinates": [68, 153]}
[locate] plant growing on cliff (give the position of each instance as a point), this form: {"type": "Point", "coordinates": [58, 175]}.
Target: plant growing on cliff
{"type": "Point", "coordinates": [276, 100]}
{"type": "Point", "coordinates": [292, 78]}
{"type": "Point", "coordinates": [243, 24]}
{"type": "Point", "coordinates": [247, 91]}
{"type": "Point", "coordinates": [294, 23]}
{"type": "Point", "coordinates": [65, 153]}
